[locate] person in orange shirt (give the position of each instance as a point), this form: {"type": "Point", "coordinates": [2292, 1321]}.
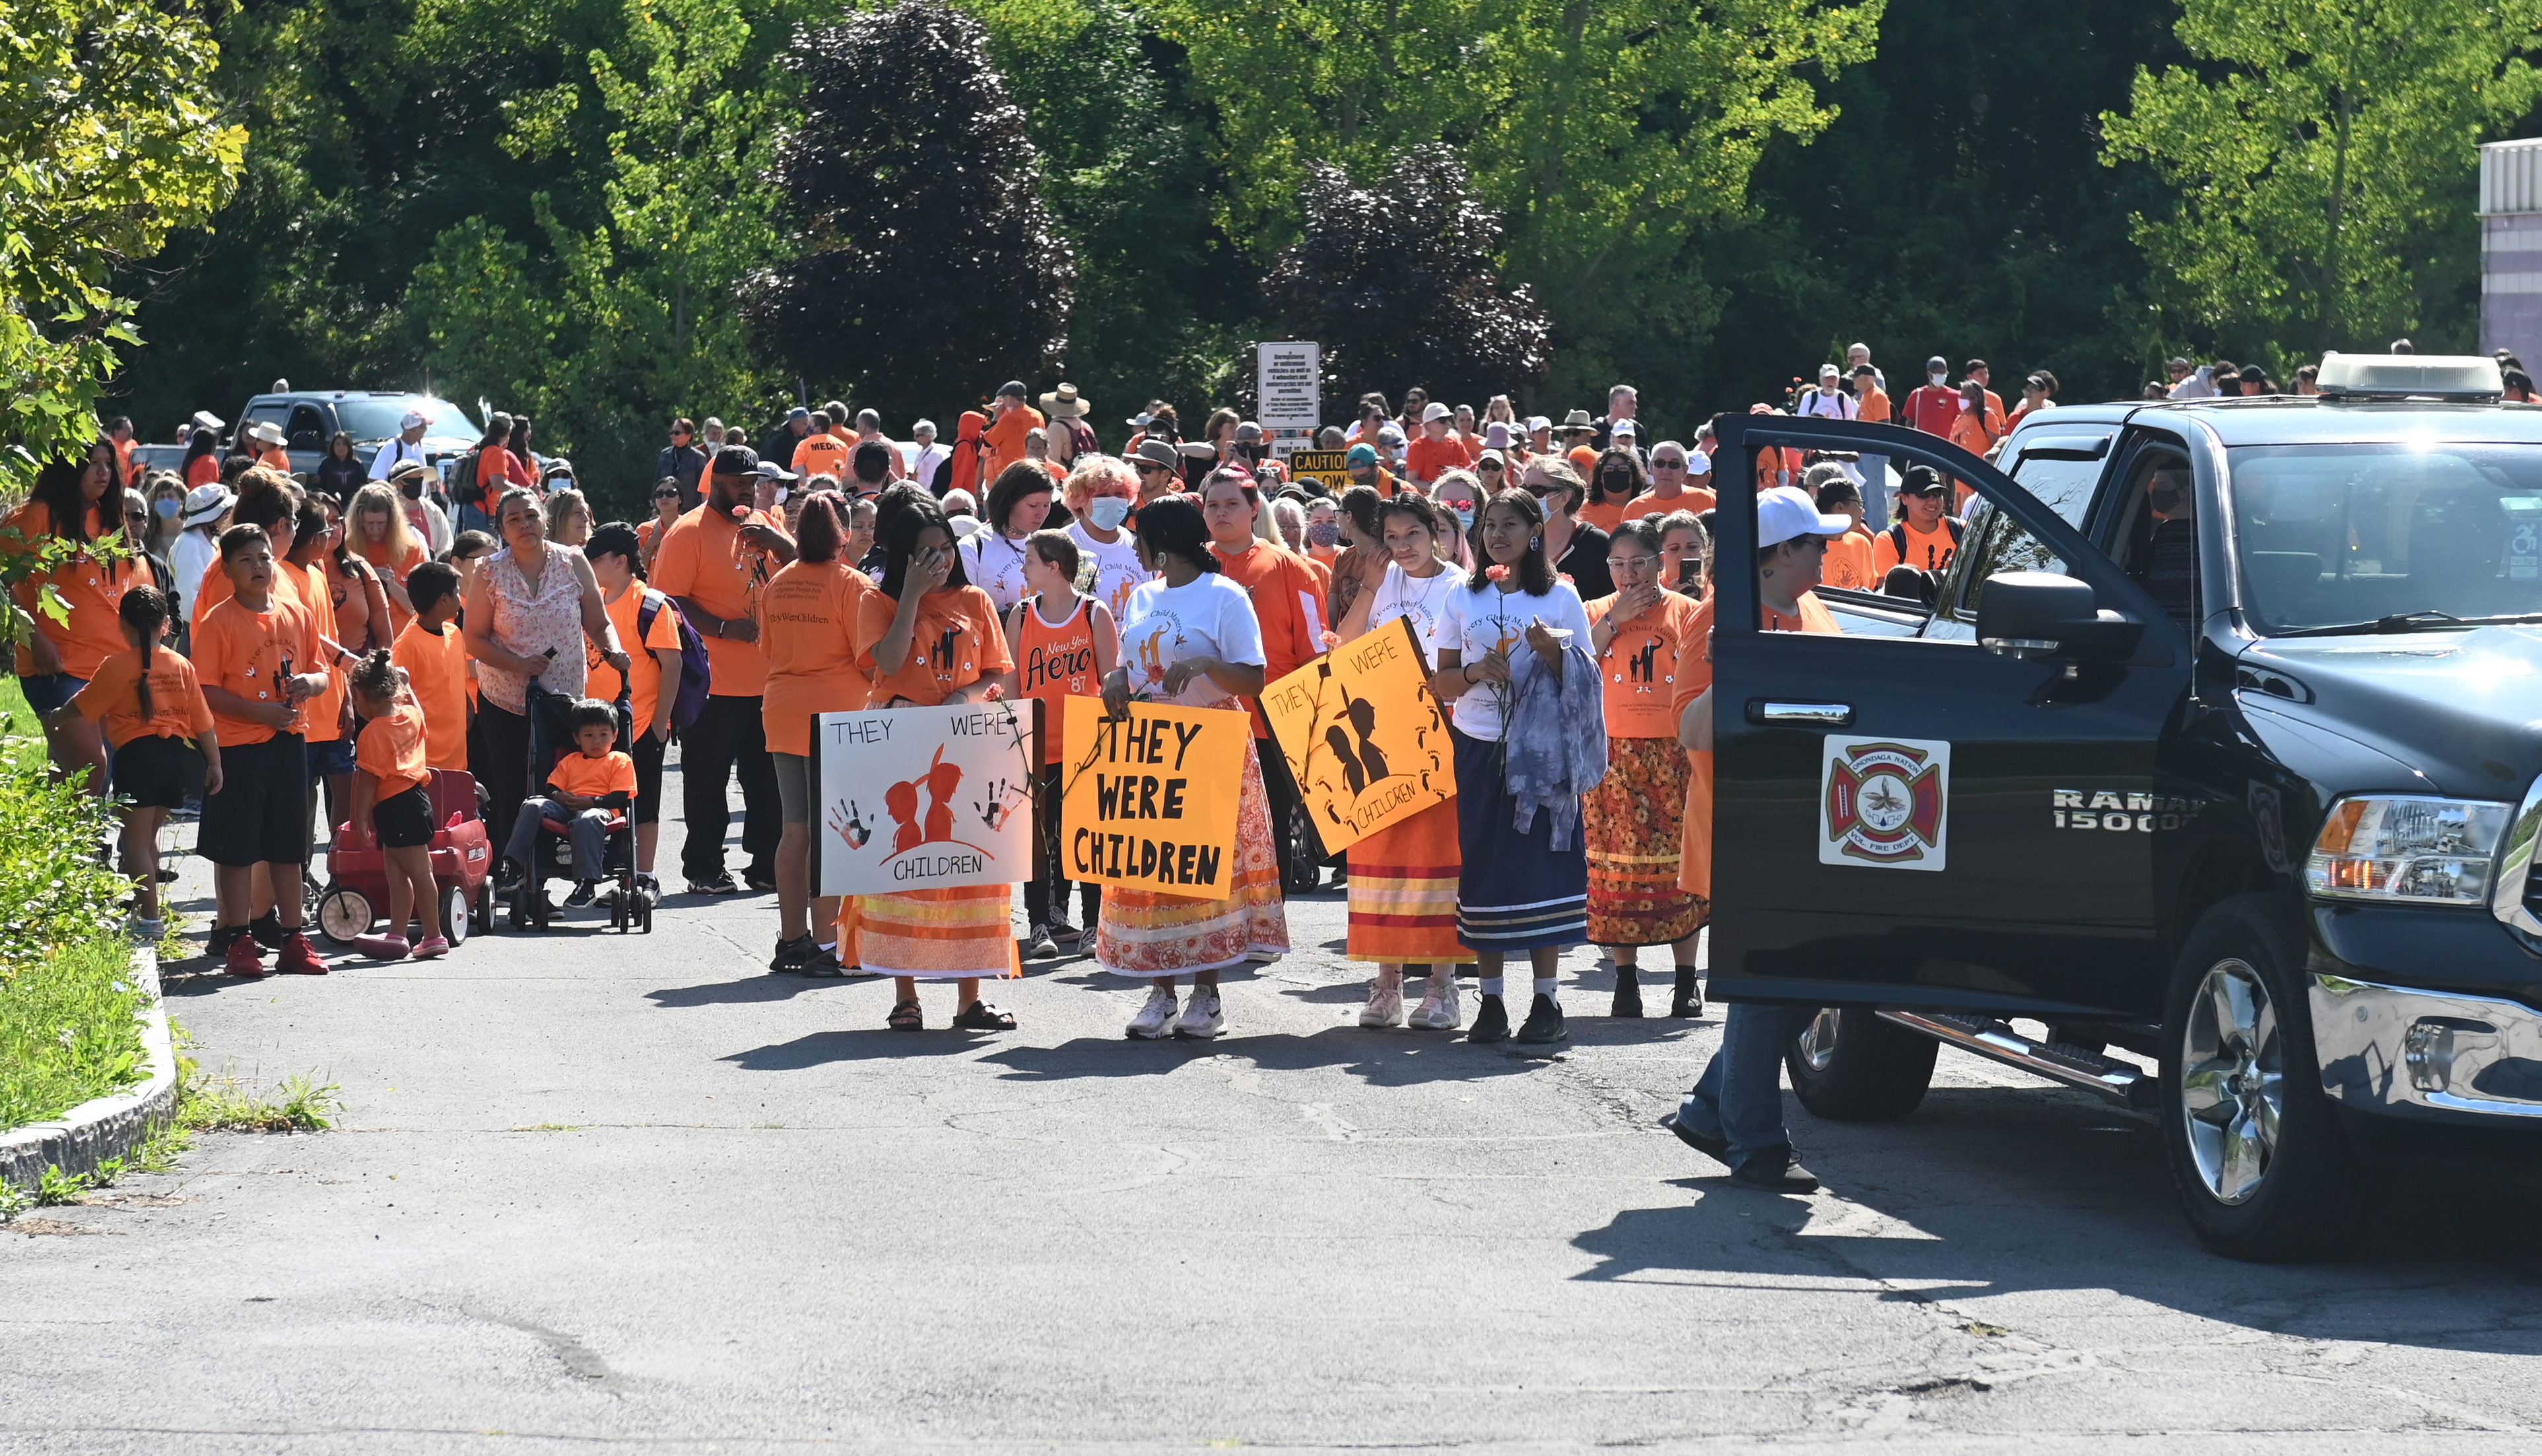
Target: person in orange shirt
{"type": "Point", "coordinates": [648, 624]}
{"type": "Point", "coordinates": [1004, 436]}
{"type": "Point", "coordinates": [1054, 661]}
{"type": "Point", "coordinates": [78, 504]}
{"type": "Point", "coordinates": [928, 637]}
{"type": "Point", "coordinates": [822, 452]}
{"type": "Point", "coordinates": [1291, 606]}
{"type": "Point", "coordinates": [273, 502]}
{"type": "Point", "coordinates": [146, 700]}
{"type": "Point", "coordinates": [585, 789]}
{"type": "Point", "coordinates": [714, 562]}
{"type": "Point", "coordinates": [1671, 490]}
{"type": "Point", "coordinates": [1980, 421]}
{"type": "Point", "coordinates": [1848, 556]}
{"type": "Point", "coordinates": [1631, 823]}
{"type": "Point", "coordinates": [1436, 452]}
{"type": "Point", "coordinates": [1613, 486]}
{"type": "Point", "coordinates": [329, 734]}
{"type": "Point", "coordinates": [1924, 537]}
{"type": "Point", "coordinates": [433, 654]}
{"type": "Point", "coordinates": [272, 455]}
{"type": "Point", "coordinates": [392, 806]}
{"type": "Point", "coordinates": [256, 656]}
{"type": "Point", "coordinates": [808, 618]}
{"type": "Point", "coordinates": [376, 530]}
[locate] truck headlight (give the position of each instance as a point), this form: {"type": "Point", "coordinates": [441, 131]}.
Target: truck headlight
{"type": "Point", "coordinates": [2408, 850]}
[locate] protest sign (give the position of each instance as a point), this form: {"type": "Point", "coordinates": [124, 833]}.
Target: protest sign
{"type": "Point", "coordinates": [1363, 735]}
{"type": "Point", "coordinates": [924, 798]}
{"type": "Point", "coordinates": [1149, 801]}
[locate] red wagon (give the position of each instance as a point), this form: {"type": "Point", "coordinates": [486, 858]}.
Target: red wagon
{"type": "Point", "coordinates": [463, 865]}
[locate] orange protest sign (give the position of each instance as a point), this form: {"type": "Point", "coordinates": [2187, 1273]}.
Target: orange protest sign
{"type": "Point", "coordinates": [1363, 735]}
{"type": "Point", "coordinates": [1149, 800]}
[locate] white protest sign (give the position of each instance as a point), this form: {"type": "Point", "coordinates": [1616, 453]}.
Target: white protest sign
{"type": "Point", "coordinates": [1290, 386]}
{"type": "Point", "coordinates": [923, 798]}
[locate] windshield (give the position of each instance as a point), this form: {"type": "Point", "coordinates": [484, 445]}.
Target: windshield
{"type": "Point", "coordinates": [2338, 534]}
{"type": "Point", "coordinates": [377, 419]}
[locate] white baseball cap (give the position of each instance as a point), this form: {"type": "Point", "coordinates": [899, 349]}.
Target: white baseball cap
{"type": "Point", "coordinates": [413, 420]}
{"type": "Point", "coordinates": [1787, 512]}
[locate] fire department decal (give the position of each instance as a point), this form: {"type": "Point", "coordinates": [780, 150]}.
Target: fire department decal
{"type": "Point", "coordinates": [1885, 802]}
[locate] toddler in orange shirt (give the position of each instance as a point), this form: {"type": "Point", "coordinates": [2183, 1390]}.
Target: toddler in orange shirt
{"type": "Point", "coordinates": [583, 789]}
{"type": "Point", "coordinates": [392, 801]}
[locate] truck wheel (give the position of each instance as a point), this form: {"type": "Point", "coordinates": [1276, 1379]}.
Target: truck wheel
{"type": "Point", "coordinates": [2264, 1170]}
{"type": "Point", "coordinates": [1849, 1065]}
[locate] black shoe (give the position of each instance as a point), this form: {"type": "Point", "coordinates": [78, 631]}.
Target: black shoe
{"type": "Point", "coordinates": [760, 881]}
{"type": "Point", "coordinates": [1060, 930]}
{"type": "Point", "coordinates": [981, 1016]}
{"type": "Point", "coordinates": [508, 876]}
{"type": "Point", "coordinates": [794, 955]}
{"type": "Point", "coordinates": [268, 930]}
{"type": "Point", "coordinates": [1491, 1020]}
{"type": "Point", "coordinates": [1715, 1148]}
{"type": "Point", "coordinates": [1628, 993]}
{"type": "Point", "coordinates": [720, 883]}
{"type": "Point", "coordinates": [219, 944]}
{"type": "Point", "coordinates": [1774, 1170]}
{"type": "Point", "coordinates": [1689, 1000]}
{"type": "Point", "coordinates": [585, 893]}
{"type": "Point", "coordinates": [1543, 1023]}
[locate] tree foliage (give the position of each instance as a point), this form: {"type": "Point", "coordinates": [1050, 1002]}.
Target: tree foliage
{"type": "Point", "coordinates": [924, 268]}
{"type": "Point", "coordinates": [109, 139]}
{"type": "Point", "coordinates": [2318, 157]}
{"type": "Point", "coordinates": [1397, 282]}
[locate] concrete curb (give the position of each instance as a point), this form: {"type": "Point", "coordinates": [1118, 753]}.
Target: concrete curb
{"type": "Point", "coordinates": [103, 1126]}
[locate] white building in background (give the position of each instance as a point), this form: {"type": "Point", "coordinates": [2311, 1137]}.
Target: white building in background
{"type": "Point", "coordinates": [2510, 249]}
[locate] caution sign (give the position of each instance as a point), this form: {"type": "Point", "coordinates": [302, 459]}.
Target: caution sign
{"type": "Point", "coordinates": [924, 798]}
{"type": "Point", "coordinates": [1885, 802]}
{"type": "Point", "coordinates": [1326, 465]}
{"type": "Point", "coordinates": [1149, 801]}
{"type": "Point", "coordinates": [1363, 735]}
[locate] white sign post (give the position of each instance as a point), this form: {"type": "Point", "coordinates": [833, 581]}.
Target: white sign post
{"type": "Point", "coordinates": [933, 798]}
{"type": "Point", "coordinates": [1290, 387]}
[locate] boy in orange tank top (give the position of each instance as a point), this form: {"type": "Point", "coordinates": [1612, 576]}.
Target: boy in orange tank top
{"type": "Point", "coordinates": [1056, 661]}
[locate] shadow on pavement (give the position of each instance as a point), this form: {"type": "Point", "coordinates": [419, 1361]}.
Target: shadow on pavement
{"type": "Point", "coordinates": [758, 987]}
{"type": "Point", "coordinates": [878, 1043]}
{"type": "Point", "coordinates": [1381, 1059]}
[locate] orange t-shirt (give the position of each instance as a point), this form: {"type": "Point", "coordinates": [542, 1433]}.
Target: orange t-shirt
{"type": "Point", "coordinates": [703, 558]}
{"type": "Point", "coordinates": [1288, 605]}
{"type": "Point", "coordinates": [1640, 666]}
{"type": "Point", "coordinates": [955, 641]}
{"type": "Point", "coordinates": [578, 772]}
{"type": "Point", "coordinates": [1926, 550]}
{"type": "Point", "coordinates": [276, 460]}
{"type": "Point", "coordinates": [1873, 405]}
{"type": "Point", "coordinates": [247, 653]}
{"type": "Point", "coordinates": [822, 454]}
{"type": "Point", "coordinates": [325, 711]}
{"type": "Point", "coordinates": [809, 620]}
{"type": "Point", "coordinates": [205, 471]}
{"type": "Point", "coordinates": [644, 671]}
{"type": "Point", "coordinates": [1848, 563]}
{"type": "Point", "coordinates": [113, 696]}
{"type": "Point", "coordinates": [92, 589]}
{"type": "Point", "coordinates": [1426, 459]}
{"type": "Point", "coordinates": [216, 588]}
{"type": "Point", "coordinates": [400, 571]}
{"type": "Point", "coordinates": [1053, 663]}
{"type": "Point", "coordinates": [1694, 676]}
{"type": "Point", "coordinates": [1975, 433]}
{"type": "Point", "coordinates": [436, 669]}
{"type": "Point", "coordinates": [1693, 499]}
{"type": "Point", "coordinates": [391, 749]}
{"type": "Point", "coordinates": [1605, 515]}
{"type": "Point", "coordinates": [1004, 438]}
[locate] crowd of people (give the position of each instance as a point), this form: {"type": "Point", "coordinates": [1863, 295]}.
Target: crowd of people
{"type": "Point", "coordinates": [276, 648]}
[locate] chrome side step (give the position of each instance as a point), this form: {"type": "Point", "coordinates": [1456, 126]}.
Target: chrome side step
{"type": "Point", "coordinates": [2057, 1062]}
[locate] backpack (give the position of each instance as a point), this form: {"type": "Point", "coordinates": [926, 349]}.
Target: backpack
{"type": "Point", "coordinates": [1898, 536]}
{"type": "Point", "coordinates": [470, 491]}
{"type": "Point", "coordinates": [697, 674]}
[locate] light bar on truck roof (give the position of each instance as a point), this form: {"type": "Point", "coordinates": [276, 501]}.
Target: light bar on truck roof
{"type": "Point", "coordinates": [2469, 376]}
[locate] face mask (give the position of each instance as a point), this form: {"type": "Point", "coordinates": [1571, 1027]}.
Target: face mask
{"type": "Point", "coordinates": [1323, 533]}
{"type": "Point", "coordinates": [1464, 516]}
{"type": "Point", "coordinates": [2165, 498]}
{"type": "Point", "coordinates": [1939, 377]}
{"type": "Point", "coordinates": [1107, 511]}
{"type": "Point", "coordinates": [167, 507]}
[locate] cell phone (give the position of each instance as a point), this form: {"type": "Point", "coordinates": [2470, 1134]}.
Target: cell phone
{"type": "Point", "coordinates": [1689, 573]}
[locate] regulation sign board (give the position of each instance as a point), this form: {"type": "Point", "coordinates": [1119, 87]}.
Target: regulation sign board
{"type": "Point", "coordinates": [924, 798]}
{"type": "Point", "coordinates": [1290, 381]}
{"type": "Point", "coordinates": [1149, 801]}
{"type": "Point", "coordinates": [1363, 735]}
{"type": "Point", "coordinates": [1326, 465]}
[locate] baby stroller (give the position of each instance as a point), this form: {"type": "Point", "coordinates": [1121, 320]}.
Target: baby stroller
{"type": "Point", "coordinates": [462, 860]}
{"type": "Point", "coordinates": [552, 851]}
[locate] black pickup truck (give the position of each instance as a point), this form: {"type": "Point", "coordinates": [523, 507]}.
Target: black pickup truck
{"type": "Point", "coordinates": [2238, 830]}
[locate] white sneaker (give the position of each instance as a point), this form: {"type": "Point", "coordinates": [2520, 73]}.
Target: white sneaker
{"type": "Point", "coordinates": [1205, 1017]}
{"type": "Point", "coordinates": [1439, 1010]}
{"type": "Point", "coordinates": [1262, 956]}
{"type": "Point", "coordinates": [1153, 1017]}
{"type": "Point", "coordinates": [1384, 1006]}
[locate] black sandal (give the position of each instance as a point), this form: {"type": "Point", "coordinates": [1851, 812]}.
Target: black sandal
{"type": "Point", "coordinates": [981, 1016]}
{"type": "Point", "coordinates": [906, 1016]}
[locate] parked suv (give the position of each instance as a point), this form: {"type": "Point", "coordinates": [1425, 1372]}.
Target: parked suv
{"type": "Point", "coordinates": [308, 420]}
{"type": "Point", "coordinates": [2209, 785]}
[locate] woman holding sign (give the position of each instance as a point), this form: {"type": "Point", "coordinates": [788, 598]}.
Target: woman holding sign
{"type": "Point", "coordinates": [808, 614]}
{"type": "Point", "coordinates": [1190, 638]}
{"type": "Point", "coordinates": [1517, 890]}
{"type": "Point", "coordinates": [1634, 819]}
{"type": "Point", "coordinates": [928, 637]}
{"type": "Point", "coordinates": [1403, 877]}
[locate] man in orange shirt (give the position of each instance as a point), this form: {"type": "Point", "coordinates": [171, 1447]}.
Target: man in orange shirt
{"type": "Point", "coordinates": [1006, 434]}
{"type": "Point", "coordinates": [712, 561]}
{"type": "Point", "coordinates": [822, 452]}
{"type": "Point", "coordinates": [1288, 603]}
{"type": "Point", "coordinates": [120, 431]}
{"type": "Point", "coordinates": [1669, 491]}
{"type": "Point", "coordinates": [1436, 452]}
{"type": "Point", "coordinates": [1870, 406]}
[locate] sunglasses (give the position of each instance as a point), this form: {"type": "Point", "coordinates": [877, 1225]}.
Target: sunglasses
{"type": "Point", "coordinates": [1493, 466]}
{"type": "Point", "coordinates": [1668, 465]}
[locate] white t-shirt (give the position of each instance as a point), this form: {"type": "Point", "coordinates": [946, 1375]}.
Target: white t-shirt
{"type": "Point", "coordinates": [996, 566]}
{"type": "Point", "coordinates": [1473, 623]}
{"type": "Point", "coordinates": [1212, 616]}
{"type": "Point", "coordinates": [394, 454]}
{"type": "Point", "coordinates": [1117, 572]}
{"type": "Point", "coordinates": [1416, 598]}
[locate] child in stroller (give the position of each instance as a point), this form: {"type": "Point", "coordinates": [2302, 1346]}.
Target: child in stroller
{"type": "Point", "coordinates": [589, 786]}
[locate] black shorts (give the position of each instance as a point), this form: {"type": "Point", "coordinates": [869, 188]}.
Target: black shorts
{"type": "Point", "coordinates": [647, 753]}
{"type": "Point", "coordinates": [334, 756]}
{"type": "Point", "coordinates": [261, 816]}
{"type": "Point", "coordinates": [150, 770]}
{"type": "Point", "coordinates": [403, 820]}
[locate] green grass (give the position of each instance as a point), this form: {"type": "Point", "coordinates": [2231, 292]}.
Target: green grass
{"type": "Point", "coordinates": [69, 1031]}
{"type": "Point", "coordinates": [24, 743]}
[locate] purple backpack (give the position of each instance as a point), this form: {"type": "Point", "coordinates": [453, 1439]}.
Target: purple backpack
{"type": "Point", "coordinates": [697, 674]}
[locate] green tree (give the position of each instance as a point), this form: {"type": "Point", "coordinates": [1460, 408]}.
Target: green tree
{"type": "Point", "coordinates": [111, 139]}
{"type": "Point", "coordinates": [2320, 158]}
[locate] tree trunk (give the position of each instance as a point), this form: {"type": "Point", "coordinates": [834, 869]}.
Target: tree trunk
{"type": "Point", "coordinates": [2344, 106]}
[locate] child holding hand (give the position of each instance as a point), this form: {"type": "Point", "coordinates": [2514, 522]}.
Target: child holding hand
{"type": "Point", "coordinates": [583, 789]}
{"type": "Point", "coordinates": [391, 803]}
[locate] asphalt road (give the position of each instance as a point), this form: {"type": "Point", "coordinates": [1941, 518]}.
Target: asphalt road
{"type": "Point", "coordinates": [593, 1192]}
